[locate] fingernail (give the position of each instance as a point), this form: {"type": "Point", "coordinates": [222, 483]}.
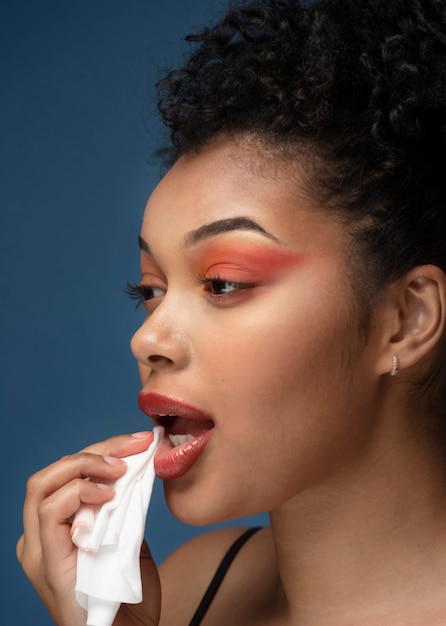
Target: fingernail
{"type": "Point", "coordinates": [112, 460]}
{"type": "Point", "coordinates": [142, 435]}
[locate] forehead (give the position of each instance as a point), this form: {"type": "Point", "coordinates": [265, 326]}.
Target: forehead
{"type": "Point", "coordinates": [229, 180]}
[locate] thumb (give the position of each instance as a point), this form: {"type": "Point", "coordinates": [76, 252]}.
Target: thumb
{"type": "Point", "coordinates": [151, 587]}
{"type": "Point", "coordinates": [147, 613]}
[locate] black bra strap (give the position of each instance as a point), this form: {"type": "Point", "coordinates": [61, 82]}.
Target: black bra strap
{"type": "Point", "coordinates": [219, 575]}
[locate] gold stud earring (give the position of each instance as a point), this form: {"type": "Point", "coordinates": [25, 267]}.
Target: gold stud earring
{"type": "Point", "coordinates": [395, 365]}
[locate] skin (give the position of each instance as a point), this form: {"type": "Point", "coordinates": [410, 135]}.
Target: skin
{"type": "Point", "coordinates": [308, 425]}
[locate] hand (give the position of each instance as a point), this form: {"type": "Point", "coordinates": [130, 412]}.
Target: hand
{"type": "Point", "coordinates": [148, 612]}
{"type": "Point", "coordinates": [45, 550]}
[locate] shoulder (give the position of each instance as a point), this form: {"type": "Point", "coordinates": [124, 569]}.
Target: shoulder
{"type": "Point", "coordinates": [187, 572]}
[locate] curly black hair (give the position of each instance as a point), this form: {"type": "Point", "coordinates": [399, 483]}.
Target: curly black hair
{"type": "Point", "coordinates": [357, 86]}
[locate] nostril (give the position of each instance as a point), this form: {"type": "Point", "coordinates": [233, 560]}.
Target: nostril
{"type": "Point", "coordinates": [159, 358]}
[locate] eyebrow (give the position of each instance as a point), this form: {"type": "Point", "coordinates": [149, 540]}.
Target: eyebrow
{"type": "Point", "coordinates": [144, 245]}
{"type": "Point", "coordinates": [216, 228]}
{"type": "Point", "coordinates": [224, 226]}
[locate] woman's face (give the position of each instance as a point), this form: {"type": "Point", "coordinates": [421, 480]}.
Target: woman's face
{"type": "Point", "coordinates": [251, 320]}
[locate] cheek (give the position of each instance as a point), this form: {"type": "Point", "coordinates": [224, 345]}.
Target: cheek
{"type": "Point", "coordinates": [299, 358]}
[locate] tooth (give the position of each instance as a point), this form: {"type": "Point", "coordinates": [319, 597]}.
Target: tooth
{"type": "Point", "coordinates": [178, 440]}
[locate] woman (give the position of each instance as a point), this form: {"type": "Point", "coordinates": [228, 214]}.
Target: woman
{"type": "Point", "coordinates": [292, 263]}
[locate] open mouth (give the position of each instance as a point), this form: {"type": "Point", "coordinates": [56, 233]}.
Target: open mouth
{"type": "Point", "coordinates": [181, 430]}
{"type": "Point", "coordinates": [184, 442]}
{"type": "Point", "coordinates": [187, 431]}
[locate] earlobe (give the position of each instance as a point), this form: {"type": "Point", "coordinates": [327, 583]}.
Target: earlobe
{"type": "Point", "coordinates": [417, 320]}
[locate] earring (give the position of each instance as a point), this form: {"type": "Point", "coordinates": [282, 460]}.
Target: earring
{"type": "Point", "coordinates": [395, 365]}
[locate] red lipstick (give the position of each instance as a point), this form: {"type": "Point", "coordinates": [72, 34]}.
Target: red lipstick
{"type": "Point", "coordinates": [187, 432]}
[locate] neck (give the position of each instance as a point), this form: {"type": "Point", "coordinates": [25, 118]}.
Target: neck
{"type": "Point", "coordinates": [358, 545]}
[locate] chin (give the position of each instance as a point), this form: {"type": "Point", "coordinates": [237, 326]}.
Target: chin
{"type": "Point", "coordinates": [202, 510]}
{"type": "Point", "coordinates": [196, 515]}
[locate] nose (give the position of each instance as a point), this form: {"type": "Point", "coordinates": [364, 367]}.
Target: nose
{"type": "Point", "coordinates": [159, 343]}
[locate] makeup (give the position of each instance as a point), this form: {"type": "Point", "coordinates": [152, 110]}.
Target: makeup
{"type": "Point", "coordinates": [247, 261]}
{"type": "Point", "coordinates": [187, 433]}
{"type": "Point", "coordinates": [175, 461]}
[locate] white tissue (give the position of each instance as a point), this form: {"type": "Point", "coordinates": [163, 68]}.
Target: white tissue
{"type": "Point", "coordinates": [109, 540]}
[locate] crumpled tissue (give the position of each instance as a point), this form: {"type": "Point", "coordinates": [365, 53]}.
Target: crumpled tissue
{"type": "Point", "coordinates": [109, 539]}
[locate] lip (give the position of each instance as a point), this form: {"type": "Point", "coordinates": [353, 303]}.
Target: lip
{"type": "Point", "coordinates": [171, 462]}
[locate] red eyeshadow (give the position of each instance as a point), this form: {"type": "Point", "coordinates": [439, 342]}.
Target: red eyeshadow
{"type": "Point", "coordinates": [256, 260]}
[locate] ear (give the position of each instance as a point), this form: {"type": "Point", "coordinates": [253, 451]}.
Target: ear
{"type": "Point", "coordinates": [415, 317]}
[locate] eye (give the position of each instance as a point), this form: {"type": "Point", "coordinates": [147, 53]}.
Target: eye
{"type": "Point", "coordinates": [143, 293]}
{"type": "Point", "coordinates": [220, 287]}
{"type": "Point", "coordinates": [222, 291]}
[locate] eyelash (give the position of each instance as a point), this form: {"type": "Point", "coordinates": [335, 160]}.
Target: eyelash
{"type": "Point", "coordinates": [139, 293]}
{"type": "Point", "coordinates": [142, 294]}
{"type": "Point", "coordinates": [209, 286]}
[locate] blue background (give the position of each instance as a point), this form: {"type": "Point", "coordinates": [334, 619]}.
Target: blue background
{"type": "Point", "coordinates": [78, 127]}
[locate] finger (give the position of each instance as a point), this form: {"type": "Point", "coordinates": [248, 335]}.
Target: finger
{"type": "Point", "coordinates": [122, 445]}
{"type": "Point", "coordinates": [54, 477]}
{"type": "Point", "coordinates": [56, 573]}
{"type": "Point", "coordinates": [88, 463]}
{"type": "Point", "coordinates": [57, 510]}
